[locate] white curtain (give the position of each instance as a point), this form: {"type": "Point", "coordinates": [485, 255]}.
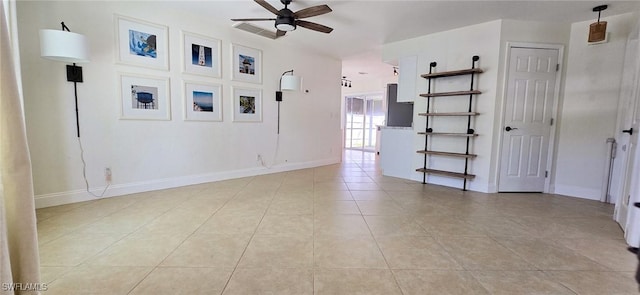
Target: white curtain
{"type": "Point", "coordinates": [19, 259]}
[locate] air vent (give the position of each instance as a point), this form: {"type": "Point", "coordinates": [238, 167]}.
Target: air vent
{"type": "Point", "coordinates": [255, 30]}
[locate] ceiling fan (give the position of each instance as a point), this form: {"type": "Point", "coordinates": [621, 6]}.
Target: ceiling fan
{"type": "Point", "coordinates": [287, 20]}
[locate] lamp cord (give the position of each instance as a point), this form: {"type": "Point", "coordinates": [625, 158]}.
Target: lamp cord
{"type": "Point", "coordinates": [84, 163]}
{"type": "Point", "coordinates": [84, 173]}
{"type": "Point", "coordinates": [275, 155]}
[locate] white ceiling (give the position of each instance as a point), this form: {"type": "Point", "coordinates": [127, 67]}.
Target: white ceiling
{"type": "Point", "coordinates": [361, 27]}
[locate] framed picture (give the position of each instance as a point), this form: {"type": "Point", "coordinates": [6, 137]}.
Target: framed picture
{"type": "Point", "coordinates": [246, 65]}
{"type": "Point", "coordinates": [247, 105]}
{"type": "Point", "coordinates": [145, 97]}
{"type": "Point", "coordinates": [201, 55]}
{"type": "Point", "coordinates": [203, 102]}
{"type": "Point", "coordinates": [141, 43]}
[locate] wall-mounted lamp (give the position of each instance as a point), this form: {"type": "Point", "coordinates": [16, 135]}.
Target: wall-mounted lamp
{"type": "Point", "coordinates": [344, 82]}
{"type": "Point", "coordinates": [67, 47]}
{"type": "Point", "coordinates": [287, 83]}
{"type": "Point", "coordinates": [395, 71]}
{"type": "Point", "coordinates": [598, 30]}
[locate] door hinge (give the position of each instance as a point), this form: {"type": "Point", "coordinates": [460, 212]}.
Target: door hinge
{"type": "Point", "coordinates": [546, 174]}
{"type": "Point", "coordinates": [551, 122]}
{"type": "Point", "coordinates": [557, 67]}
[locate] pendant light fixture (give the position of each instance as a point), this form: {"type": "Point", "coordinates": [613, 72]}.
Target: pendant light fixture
{"type": "Point", "coordinates": [598, 30]}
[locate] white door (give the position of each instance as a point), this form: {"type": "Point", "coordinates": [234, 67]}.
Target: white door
{"type": "Point", "coordinates": [528, 117]}
{"type": "Point", "coordinates": [626, 163]}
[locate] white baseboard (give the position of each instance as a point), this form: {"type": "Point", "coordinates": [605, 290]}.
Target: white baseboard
{"type": "Point", "coordinates": [68, 197]}
{"type": "Point", "coordinates": [576, 191]}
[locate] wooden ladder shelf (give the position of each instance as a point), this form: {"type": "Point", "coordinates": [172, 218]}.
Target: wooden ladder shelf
{"type": "Point", "coordinates": [446, 173]}
{"type": "Point", "coordinates": [447, 134]}
{"type": "Point", "coordinates": [447, 154]}
{"type": "Point", "coordinates": [430, 116]}
{"type": "Point", "coordinates": [449, 114]}
{"type": "Point", "coordinates": [452, 93]}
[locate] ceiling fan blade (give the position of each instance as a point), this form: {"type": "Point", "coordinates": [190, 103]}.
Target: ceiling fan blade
{"type": "Point", "coordinates": [251, 19]}
{"type": "Point", "coordinates": [312, 11]}
{"type": "Point", "coordinates": [280, 33]}
{"type": "Point", "coordinates": [268, 6]}
{"type": "Point", "coordinates": [314, 26]}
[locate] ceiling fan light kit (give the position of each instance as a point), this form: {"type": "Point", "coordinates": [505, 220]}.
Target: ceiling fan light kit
{"type": "Point", "coordinates": [287, 20]}
{"type": "Point", "coordinates": [285, 24]}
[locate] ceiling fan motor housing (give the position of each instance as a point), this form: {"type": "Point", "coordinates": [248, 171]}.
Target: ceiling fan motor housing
{"type": "Point", "coordinates": [285, 21]}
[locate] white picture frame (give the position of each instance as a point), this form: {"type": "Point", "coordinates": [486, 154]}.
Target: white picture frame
{"type": "Point", "coordinates": [246, 65]}
{"type": "Point", "coordinates": [142, 43]}
{"type": "Point", "coordinates": [202, 101]}
{"type": "Point", "coordinates": [201, 55]}
{"type": "Point", "coordinates": [247, 104]}
{"type": "Point", "coordinates": [144, 97]}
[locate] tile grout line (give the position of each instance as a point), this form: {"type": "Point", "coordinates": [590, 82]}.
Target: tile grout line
{"type": "Point", "coordinates": [181, 243]}
{"type": "Point", "coordinates": [393, 275]}
{"type": "Point", "coordinates": [84, 262]}
{"type": "Point", "coordinates": [123, 237]}
{"type": "Point", "coordinates": [226, 284]}
{"type": "Point", "coordinates": [313, 235]}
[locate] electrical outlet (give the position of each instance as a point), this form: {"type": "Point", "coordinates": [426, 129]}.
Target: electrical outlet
{"type": "Point", "coordinates": [107, 174]}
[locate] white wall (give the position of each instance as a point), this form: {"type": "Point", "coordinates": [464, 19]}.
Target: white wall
{"type": "Point", "coordinates": [147, 155]}
{"type": "Point", "coordinates": [587, 102]}
{"type": "Point", "coordinates": [589, 110]}
{"type": "Point", "coordinates": [452, 50]}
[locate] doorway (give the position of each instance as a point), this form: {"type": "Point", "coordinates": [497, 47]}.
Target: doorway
{"type": "Point", "coordinates": [625, 188]}
{"type": "Point", "coordinates": [527, 129]}
{"type": "Point", "coordinates": [363, 114]}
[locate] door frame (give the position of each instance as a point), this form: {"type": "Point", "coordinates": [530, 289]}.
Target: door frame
{"type": "Point", "coordinates": [364, 96]}
{"type": "Point", "coordinates": [629, 167]}
{"type": "Point", "coordinates": [500, 125]}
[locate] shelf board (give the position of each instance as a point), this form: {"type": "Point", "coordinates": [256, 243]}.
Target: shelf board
{"type": "Point", "coordinates": [450, 114]}
{"type": "Point", "coordinates": [446, 173]}
{"type": "Point", "coordinates": [452, 73]}
{"type": "Point", "coordinates": [447, 154]}
{"type": "Point", "coordinates": [452, 93]}
{"type": "Point", "coordinates": [448, 134]}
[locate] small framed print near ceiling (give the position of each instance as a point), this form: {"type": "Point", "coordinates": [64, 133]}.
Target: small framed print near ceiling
{"type": "Point", "coordinates": [247, 105]}
{"type": "Point", "coordinates": [201, 55]}
{"type": "Point", "coordinates": [142, 43]}
{"type": "Point", "coordinates": [144, 97]}
{"type": "Point", "coordinates": [203, 101]}
{"type": "Point", "coordinates": [246, 64]}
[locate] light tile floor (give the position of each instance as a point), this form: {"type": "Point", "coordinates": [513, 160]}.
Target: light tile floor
{"type": "Point", "coordinates": [339, 229]}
